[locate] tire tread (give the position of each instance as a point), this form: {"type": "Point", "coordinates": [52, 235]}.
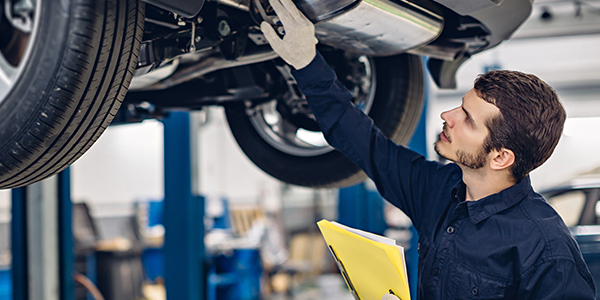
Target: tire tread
{"type": "Point", "coordinates": [92, 80]}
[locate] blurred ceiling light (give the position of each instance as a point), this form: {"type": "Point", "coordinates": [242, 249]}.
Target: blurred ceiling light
{"type": "Point", "coordinates": [587, 126]}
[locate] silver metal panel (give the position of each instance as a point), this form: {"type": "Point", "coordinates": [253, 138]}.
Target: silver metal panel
{"type": "Point", "coordinates": [380, 27]}
{"type": "Point", "coordinates": [318, 10]}
{"type": "Point", "coordinates": [42, 235]}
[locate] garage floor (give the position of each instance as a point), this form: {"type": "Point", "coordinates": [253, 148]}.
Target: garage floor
{"type": "Point", "coordinates": [327, 286]}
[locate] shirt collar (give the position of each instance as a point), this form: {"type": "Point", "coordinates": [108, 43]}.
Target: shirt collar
{"type": "Point", "coordinates": [484, 208]}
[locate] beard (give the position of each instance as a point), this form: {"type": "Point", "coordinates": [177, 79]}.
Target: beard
{"type": "Point", "coordinates": [470, 160]}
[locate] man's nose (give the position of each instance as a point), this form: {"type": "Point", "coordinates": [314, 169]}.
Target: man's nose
{"type": "Point", "coordinates": [446, 117]}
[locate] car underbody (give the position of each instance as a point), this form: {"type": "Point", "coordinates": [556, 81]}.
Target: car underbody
{"type": "Point", "coordinates": [126, 61]}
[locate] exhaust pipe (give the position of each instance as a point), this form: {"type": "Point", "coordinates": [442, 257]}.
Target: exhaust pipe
{"type": "Point", "coordinates": [374, 27]}
{"type": "Point", "coordinates": [370, 27]}
{"type": "Point", "coordinates": [207, 65]}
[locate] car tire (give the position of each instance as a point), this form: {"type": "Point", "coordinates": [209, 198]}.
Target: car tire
{"type": "Point", "coordinates": [396, 110]}
{"type": "Point", "coordinates": [69, 86]}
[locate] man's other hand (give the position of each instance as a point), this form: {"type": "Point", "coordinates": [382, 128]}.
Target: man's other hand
{"type": "Point", "coordinates": [297, 47]}
{"type": "Point", "coordinates": [390, 297]}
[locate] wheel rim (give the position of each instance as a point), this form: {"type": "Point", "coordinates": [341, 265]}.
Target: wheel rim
{"type": "Point", "coordinates": [295, 136]}
{"type": "Point", "coordinates": [19, 22]}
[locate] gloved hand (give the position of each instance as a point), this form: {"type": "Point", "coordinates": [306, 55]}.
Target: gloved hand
{"type": "Point", "coordinates": [297, 47]}
{"type": "Point", "coordinates": [390, 297]}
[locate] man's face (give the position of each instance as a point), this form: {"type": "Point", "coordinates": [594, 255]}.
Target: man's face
{"type": "Point", "coordinates": [464, 131]}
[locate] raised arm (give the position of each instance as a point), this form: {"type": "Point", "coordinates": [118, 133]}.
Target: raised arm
{"type": "Point", "coordinates": [401, 175]}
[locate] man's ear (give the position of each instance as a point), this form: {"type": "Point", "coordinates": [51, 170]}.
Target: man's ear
{"type": "Point", "coordinates": [502, 159]}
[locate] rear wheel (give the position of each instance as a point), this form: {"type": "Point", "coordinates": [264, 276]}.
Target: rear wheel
{"type": "Point", "coordinates": [282, 138]}
{"type": "Point", "coordinates": [64, 70]}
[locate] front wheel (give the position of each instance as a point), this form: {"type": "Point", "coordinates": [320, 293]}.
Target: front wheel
{"type": "Point", "coordinates": [65, 67]}
{"type": "Point", "coordinates": [282, 138]}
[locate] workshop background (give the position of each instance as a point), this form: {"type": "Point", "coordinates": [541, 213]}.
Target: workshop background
{"type": "Point", "coordinates": [260, 236]}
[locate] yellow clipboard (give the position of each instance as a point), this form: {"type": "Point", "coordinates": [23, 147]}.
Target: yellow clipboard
{"type": "Point", "coordinates": [372, 265]}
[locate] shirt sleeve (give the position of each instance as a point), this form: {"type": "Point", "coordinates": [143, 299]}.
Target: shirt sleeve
{"type": "Point", "coordinates": [557, 279]}
{"type": "Point", "coordinates": [401, 175]}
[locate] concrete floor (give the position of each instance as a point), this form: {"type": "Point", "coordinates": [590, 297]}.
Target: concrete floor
{"type": "Point", "coordinates": [327, 286]}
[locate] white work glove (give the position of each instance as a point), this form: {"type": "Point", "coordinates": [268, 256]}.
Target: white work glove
{"type": "Point", "coordinates": [390, 297]}
{"type": "Point", "coordinates": [297, 47]}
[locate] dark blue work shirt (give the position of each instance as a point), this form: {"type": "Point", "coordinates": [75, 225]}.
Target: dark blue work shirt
{"type": "Point", "coordinates": [510, 245]}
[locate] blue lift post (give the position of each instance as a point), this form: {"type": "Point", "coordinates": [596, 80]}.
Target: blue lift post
{"type": "Point", "coordinates": [183, 212]}
{"type": "Point", "coordinates": [418, 143]}
{"type": "Point", "coordinates": [18, 244]}
{"type": "Point", "coordinates": [20, 239]}
{"type": "Point", "coordinates": [66, 246]}
{"type": "Point", "coordinates": [361, 208]}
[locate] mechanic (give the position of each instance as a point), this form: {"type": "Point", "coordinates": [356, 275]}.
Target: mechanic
{"type": "Point", "coordinates": [483, 232]}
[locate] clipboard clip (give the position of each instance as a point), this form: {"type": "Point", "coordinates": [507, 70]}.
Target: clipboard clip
{"type": "Point", "coordinates": [344, 273]}
{"type": "Point", "coordinates": [390, 296]}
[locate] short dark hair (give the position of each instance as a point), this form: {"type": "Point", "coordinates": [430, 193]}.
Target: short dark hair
{"type": "Point", "coordinates": [531, 117]}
